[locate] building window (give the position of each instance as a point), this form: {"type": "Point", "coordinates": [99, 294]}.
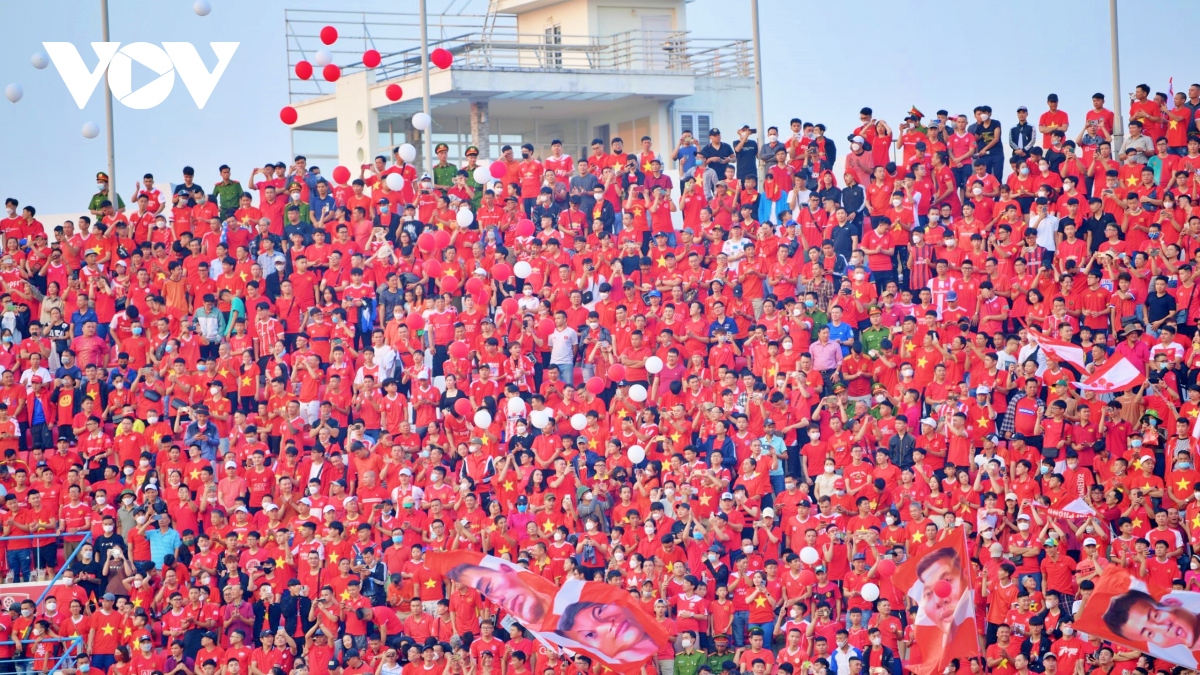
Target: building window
{"type": "Point", "coordinates": [554, 57]}
{"type": "Point", "coordinates": [695, 122]}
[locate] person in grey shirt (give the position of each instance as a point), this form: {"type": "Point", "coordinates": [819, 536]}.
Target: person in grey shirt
{"type": "Point", "coordinates": [767, 152]}
{"type": "Point", "coordinates": [1140, 142]}
{"type": "Point", "coordinates": [390, 297]}
{"type": "Point", "coordinates": [582, 184]}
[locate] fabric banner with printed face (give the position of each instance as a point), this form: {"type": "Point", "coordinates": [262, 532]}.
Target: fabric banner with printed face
{"type": "Point", "coordinates": [1060, 350]}
{"type": "Point", "coordinates": [941, 583]}
{"type": "Point", "coordinates": [1159, 621]}
{"type": "Point", "coordinates": [597, 620]}
{"type": "Point", "coordinates": [1117, 374]}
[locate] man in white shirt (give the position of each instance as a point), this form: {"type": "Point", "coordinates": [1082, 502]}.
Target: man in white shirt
{"type": "Point", "coordinates": [563, 342]}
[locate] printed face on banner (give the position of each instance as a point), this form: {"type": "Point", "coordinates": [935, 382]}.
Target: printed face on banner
{"type": "Point", "coordinates": [513, 590]}
{"type": "Point", "coordinates": [941, 565]}
{"type": "Point", "coordinates": [610, 630]}
{"type": "Point", "coordinates": [940, 582]}
{"type": "Point", "coordinates": [1163, 623]}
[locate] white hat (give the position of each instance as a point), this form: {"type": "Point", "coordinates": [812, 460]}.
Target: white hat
{"type": "Point", "coordinates": [1024, 516]}
{"type": "Point", "coordinates": [768, 512]}
{"type": "Point", "coordinates": [347, 500]}
{"type": "Point", "coordinates": [329, 507]}
{"type": "Point", "coordinates": [306, 501]}
{"type": "Point", "coordinates": [982, 389]}
{"type": "Point", "coordinates": [230, 465]}
{"type": "Point", "coordinates": [406, 471]}
{"type": "Point", "coordinates": [271, 507]}
{"type": "Point", "coordinates": [930, 421]}
{"type": "Point", "coordinates": [858, 139]}
{"type": "Point", "coordinates": [727, 495]}
{"type": "Point", "coordinates": [1012, 496]}
{"type": "Point", "coordinates": [242, 509]}
{"type": "Point", "coordinates": [1089, 542]}
{"type": "Point", "coordinates": [423, 375]}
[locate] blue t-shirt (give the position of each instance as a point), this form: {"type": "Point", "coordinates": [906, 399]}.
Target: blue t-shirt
{"type": "Point", "coordinates": [839, 332]}
{"type": "Point", "coordinates": [687, 156]}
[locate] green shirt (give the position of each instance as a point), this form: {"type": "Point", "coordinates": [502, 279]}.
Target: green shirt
{"type": "Point", "coordinates": [715, 661]}
{"type": "Point", "coordinates": [443, 176]}
{"type": "Point", "coordinates": [689, 664]}
{"type": "Point", "coordinates": [94, 205]}
{"type": "Point", "coordinates": [871, 337]}
{"type": "Point", "coordinates": [228, 195]}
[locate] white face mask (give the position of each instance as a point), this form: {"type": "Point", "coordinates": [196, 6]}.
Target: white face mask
{"type": "Point", "coordinates": [890, 520]}
{"type": "Point", "coordinates": [1023, 525]}
{"type": "Point", "coordinates": [51, 606]}
{"type": "Point", "coordinates": [876, 641]}
{"type": "Point", "coordinates": [906, 372]}
{"type": "Point", "coordinates": [747, 549]}
{"type": "Point", "coordinates": [897, 202]}
{"type": "Point", "coordinates": [649, 529]}
{"type": "Point", "coordinates": [214, 390]}
{"type": "Point", "coordinates": [828, 469]}
{"type": "Point", "coordinates": [713, 557]}
{"type": "Point", "coordinates": [984, 116]}
{"type": "Point", "coordinates": [977, 191]}
{"type": "Point", "coordinates": [140, 519]}
{"type": "Point", "coordinates": [1044, 168]}
{"type": "Point", "coordinates": [558, 536]}
{"type": "Point", "coordinates": [128, 472]}
{"type": "Point", "coordinates": [856, 146]}
{"type": "Point", "coordinates": [100, 499]}
{"type": "Point", "coordinates": [108, 529]}
{"type": "Point", "coordinates": [589, 525]}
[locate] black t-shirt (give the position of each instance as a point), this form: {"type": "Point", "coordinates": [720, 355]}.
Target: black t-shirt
{"type": "Point", "coordinates": [724, 151]}
{"type": "Point", "coordinates": [984, 133]}
{"type": "Point", "coordinates": [1157, 308]}
{"type": "Point", "coordinates": [191, 192]}
{"type": "Point", "coordinates": [747, 159]}
{"type": "Point", "coordinates": [1095, 226]}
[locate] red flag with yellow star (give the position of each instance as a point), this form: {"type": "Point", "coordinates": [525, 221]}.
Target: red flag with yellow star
{"type": "Point", "coordinates": [941, 582]}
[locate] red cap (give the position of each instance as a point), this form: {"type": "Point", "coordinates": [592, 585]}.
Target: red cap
{"type": "Point", "coordinates": [839, 484]}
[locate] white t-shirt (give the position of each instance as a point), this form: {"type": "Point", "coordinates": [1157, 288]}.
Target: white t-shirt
{"type": "Point", "coordinates": [562, 346]}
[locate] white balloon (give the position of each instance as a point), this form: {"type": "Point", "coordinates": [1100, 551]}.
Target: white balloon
{"type": "Point", "coordinates": [516, 406]}
{"type": "Point", "coordinates": [654, 365]}
{"type": "Point", "coordinates": [40, 60]}
{"type": "Point", "coordinates": [465, 217]}
{"type": "Point", "coordinates": [395, 182]}
{"type": "Point", "coordinates": [422, 121]}
{"type": "Point", "coordinates": [870, 592]}
{"type": "Point", "coordinates": [407, 152]}
{"type": "Point", "coordinates": [636, 454]}
{"type": "Point", "coordinates": [14, 92]}
{"type": "Point", "coordinates": [201, 7]}
{"type": "Point", "coordinates": [809, 555]}
{"type": "Point", "coordinates": [91, 130]}
{"type": "Point", "coordinates": [522, 269]}
{"type": "Point", "coordinates": [482, 175]}
{"type": "Point", "coordinates": [638, 393]}
{"type": "Point", "coordinates": [483, 419]}
{"type": "Point", "coordinates": [539, 418]}
{"type": "Point", "coordinates": [323, 57]}
{"type": "Point", "coordinates": [578, 421]}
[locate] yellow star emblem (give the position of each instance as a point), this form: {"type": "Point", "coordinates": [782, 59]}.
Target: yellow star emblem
{"type": "Point", "coordinates": [137, 602]}
{"type": "Point", "coordinates": [127, 632]}
{"type": "Point", "coordinates": [242, 275]}
{"type": "Point", "coordinates": [508, 485]}
{"type": "Point", "coordinates": [108, 630]}
{"type": "Point", "coordinates": [705, 499]}
{"type": "Point", "coordinates": [155, 436]}
{"type": "Point", "coordinates": [1196, 521]}
{"type": "Point", "coordinates": [429, 583]}
{"type": "Point", "coordinates": [1137, 522]}
{"type": "Point", "coordinates": [921, 362]}
{"type": "Point", "coordinates": [280, 562]}
{"type": "Point", "coordinates": [760, 601]}
{"type": "Point", "coordinates": [1131, 181]}
{"type": "Point", "coordinates": [918, 537]}
{"type": "Point", "coordinates": [1146, 487]}
{"type": "Point", "coordinates": [503, 550]}
{"type": "Point", "coordinates": [333, 556]}
{"type": "Point", "coordinates": [345, 595]}
{"type": "Point", "coordinates": [675, 437]}
{"type": "Point", "coordinates": [195, 474]}
{"type": "Point", "coordinates": [97, 248]}
{"type": "Point", "coordinates": [223, 373]}
{"type": "Point", "coordinates": [245, 382]}
{"type": "Point", "coordinates": [646, 165]}
{"type": "Point", "coordinates": [982, 422]}
{"type": "Point", "coordinates": [622, 414]}
{"type": "Point", "coordinates": [1182, 484]}
{"type": "Point", "coordinates": [592, 443]}
{"type": "Point", "coordinates": [662, 262]}
{"type": "Point", "coordinates": [548, 526]}
{"type": "Point", "coordinates": [1174, 123]}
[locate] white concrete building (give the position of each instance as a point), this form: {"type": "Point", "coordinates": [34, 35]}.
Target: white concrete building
{"type": "Point", "coordinates": [528, 71]}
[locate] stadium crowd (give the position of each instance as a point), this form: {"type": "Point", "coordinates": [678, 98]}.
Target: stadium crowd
{"type": "Point", "coordinates": [245, 412]}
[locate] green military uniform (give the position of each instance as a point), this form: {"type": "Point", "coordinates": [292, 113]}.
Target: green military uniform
{"type": "Point", "coordinates": [471, 182]}
{"type": "Point", "coordinates": [872, 337]}
{"type": "Point", "coordinates": [228, 195]}
{"type": "Point", "coordinates": [689, 664]}
{"type": "Point", "coordinates": [305, 209]}
{"type": "Point", "coordinates": [101, 196]}
{"type": "Point", "coordinates": [715, 661]}
{"type": "Point", "coordinates": [443, 172]}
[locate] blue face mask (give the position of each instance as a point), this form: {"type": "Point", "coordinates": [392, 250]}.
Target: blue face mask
{"type": "Point", "coordinates": [137, 330]}
{"type": "Point", "coordinates": [201, 367]}
{"type": "Point", "coordinates": [521, 508]}
{"type": "Point", "coordinates": [169, 348]}
{"type": "Point", "coordinates": [698, 536]}
{"type": "Point", "coordinates": [1136, 443]}
{"type": "Point", "coordinates": [810, 303]}
{"type": "Point", "coordinates": [1045, 469]}
{"type": "Point", "coordinates": [1183, 465]}
{"type": "Point", "coordinates": [397, 538]}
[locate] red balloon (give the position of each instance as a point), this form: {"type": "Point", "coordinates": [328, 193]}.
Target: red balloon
{"type": "Point", "coordinates": [449, 284]}
{"type": "Point", "coordinates": [441, 238]}
{"type": "Point", "coordinates": [433, 268]}
{"type": "Point", "coordinates": [525, 228]}
{"type": "Point", "coordinates": [480, 298]}
{"type": "Point", "coordinates": [596, 385]}
{"type": "Point", "coordinates": [426, 242]}
{"type": "Point", "coordinates": [371, 58]}
{"type": "Point", "coordinates": [501, 271]}
{"type": "Point", "coordinates": [442, 58]}
{"type": "Point", "coordinates": [393, 92]}
{"type": "Point", "coordinates": [289, 115]}
{"type": "Point", "coordinates": [806, 578]}
{"type": "Point", "coordinates": [459, 349]}
{"type": "Point", "coordinates": [304, 70]}
{"type": "Point", "coordinates": [545, 327]}
{"type": "Point", "coordinates": [474, 285]}
{"type": "Point", "coordinates": [510, 306]}
{"type": "Point", "coordinates": [942, 589]}
{"type": "Point", "coordinates": [331, 73]}
{"type": "Point", "coordinates": [341, 174]}
{"type": "Point", "coordinates": [463, 406]}
{"type": "Point", "coordinates": [886, 568]}
{"type": "Point", "coordinates": [497, 169]}
{"type": "Point", "coordinates": [616, 372]}
{"type": "Point", "coordinates": [414, 321]}
{"type": "Point", "coordinates": [329, 35]}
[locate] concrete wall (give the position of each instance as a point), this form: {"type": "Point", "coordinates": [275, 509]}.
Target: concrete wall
{"type": "Point", "coordinates": [729, 100]}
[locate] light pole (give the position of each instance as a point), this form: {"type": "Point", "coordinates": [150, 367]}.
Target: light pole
{"type": "Point", "coordinates": [426, 135]}
{"type": "Point", "coordinates": [108, 114]}
{"type": "Point", "coordinates": [758, 91]}
{"type": "Point", "coordinates": [1118, 125]}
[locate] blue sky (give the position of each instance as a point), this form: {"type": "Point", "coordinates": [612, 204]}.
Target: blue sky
{"type": "Point", "coordinates": [822, 62]}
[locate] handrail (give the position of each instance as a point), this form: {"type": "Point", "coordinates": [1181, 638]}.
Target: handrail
{"type": "Point", "coordinates": [87, 539]}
